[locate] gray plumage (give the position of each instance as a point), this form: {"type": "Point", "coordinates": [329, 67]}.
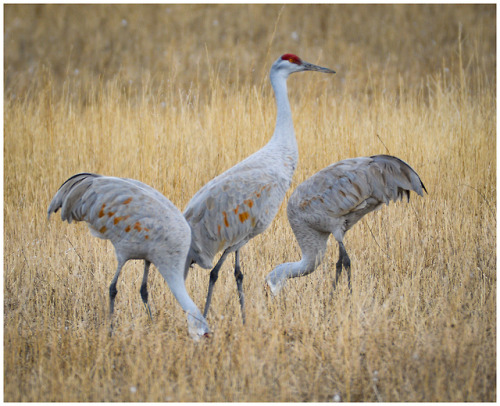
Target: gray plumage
{"type": "Point", "coordinates": [141, 223]}
{"type": "Point", "coordinates": [333, 200]}
{"type": "Point", "coordinates": [240, 203]}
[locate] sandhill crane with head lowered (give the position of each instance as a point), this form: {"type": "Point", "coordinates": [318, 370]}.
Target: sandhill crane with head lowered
{"type": "Point", "coordinates": [141, 223]}
{"type": "Point", "coordinates": [332, 201]}
{"type": "Point", "coordinates": [240, 203]}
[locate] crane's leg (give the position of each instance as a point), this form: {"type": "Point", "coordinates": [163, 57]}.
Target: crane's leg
{"type": "Point", "coordinates": [338, 272]}
{"type": "Point", "coordinates": [239, 282]}
{"type": "Point", "coordinates": [144, 289]}
{"type": "Point", "coordinates": [113, 291]}
{"type": "Point", "coordinates": [214, 274]}
{"type": "Point", "coordinates": [344, 261]}
{"type": "Point", "coordinates": [338, 267]}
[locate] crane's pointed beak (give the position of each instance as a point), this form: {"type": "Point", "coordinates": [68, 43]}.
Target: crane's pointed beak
{"type": "Point", "coordinates": [310, 66]}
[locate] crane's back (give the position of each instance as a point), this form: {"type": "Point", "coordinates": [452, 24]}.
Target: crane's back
{"type": "Point", "coordinates": [335, 198]}
{"type": "Point", "coordinates": [139, 221]}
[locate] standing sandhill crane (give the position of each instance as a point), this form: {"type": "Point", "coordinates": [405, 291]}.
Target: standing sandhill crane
{"type": "Point", "coordinates": [241, 202]}
{"type": "Point", "coordinates": [332, 201]}
{"type": "Point", "coordinates": [141, 223]}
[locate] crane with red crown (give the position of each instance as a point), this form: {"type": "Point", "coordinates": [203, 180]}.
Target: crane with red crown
{"type": "Point", "coordinates": [241, 202]}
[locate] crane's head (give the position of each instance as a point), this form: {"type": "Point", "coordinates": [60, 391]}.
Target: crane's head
{"type": "Point", "coordinates": [197, 326]}
{"type": "Point", "coordinates": [290, 63]}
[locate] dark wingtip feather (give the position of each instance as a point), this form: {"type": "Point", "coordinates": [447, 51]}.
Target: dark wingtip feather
{"type": "Point", "coordinates": [75, 176]}
{"type": "Point", "coordinates": [65, 189]}
{"type": "Point", "coordinates": [405, 165]}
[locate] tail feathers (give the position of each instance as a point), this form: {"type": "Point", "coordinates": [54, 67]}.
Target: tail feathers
{"type": "Point", "coordinates": [399, 178]}
{"type": "Point", "coordinates": [68, 197]}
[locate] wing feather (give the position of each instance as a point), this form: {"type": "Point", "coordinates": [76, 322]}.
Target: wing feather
{"type": "Point", "coordinates": [230, 210]}
{"type": "Point", "coordinates": [117, 209]}
{"type": "Point", "coordinates": [358, 184]}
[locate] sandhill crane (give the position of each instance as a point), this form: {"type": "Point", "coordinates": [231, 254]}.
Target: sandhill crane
{"type": "Point", "coordinates": [241, 202]}
{"type": "Point", "coordinates": [332, 201]}
{"type": "Point", "coordinates": [141, 223]}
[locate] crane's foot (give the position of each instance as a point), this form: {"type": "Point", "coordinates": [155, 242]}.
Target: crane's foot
{"type": "Point", "coordinates": [148, 311]}
{"type": "Point", "coordinates": [110, 329]}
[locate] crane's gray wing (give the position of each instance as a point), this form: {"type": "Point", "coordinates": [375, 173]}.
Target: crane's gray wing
{"type": "Point", "coordinates": [335, 190]}
{"type": "Point", "coordinates": [394, 178]}
{"type": "Point", "coordinates": [230, 208]}
{"type": "Point", "coordinates": [117, 209]}
{"type": "Point", "coordinates": [358, 184]}
{"type": "Point", "coordinates": [71, 191]}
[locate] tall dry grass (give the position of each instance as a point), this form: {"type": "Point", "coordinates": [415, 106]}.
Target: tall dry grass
{"type": "Point", "coordinates": [172, 96]}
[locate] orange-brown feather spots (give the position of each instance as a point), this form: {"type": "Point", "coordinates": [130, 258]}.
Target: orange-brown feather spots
{"type": "Point", "coordinates": [244, 216]}
{"type": "Point", "coordinates": [127, 229]}
{"type": "Point", "coordinates": [218, 229]}
{"type": "Point", "coordinates": [146, 237]}
{"type": "Point", "coordinates": [226, 223]}
{"type": "Point", "coordinates": [101, 213]}
{"type": "Point", "coordinates": [146, 229]}
{"type": "Point", "coordinates": [137, 226]}
{"type": "Point", "coordinates": [111, 213]}
{"type": "Point", "coordinates": [127, 201]}
{"type": "Point", "coordinates": [258, 194]}
{"type": "Point", "coordinates": [103, 229]}
{"type": "Point", "coordinates": [249, 203]}
{"type": "Point", "coordinates": [304, 204]}
{"type": "Point", "coordinates": [236, 210]}
{"type": "Point", "coordinates": [117, 220]}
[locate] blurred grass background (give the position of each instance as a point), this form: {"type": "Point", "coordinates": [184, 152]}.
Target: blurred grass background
{"type": "Point", "coordinates": [173, 95]}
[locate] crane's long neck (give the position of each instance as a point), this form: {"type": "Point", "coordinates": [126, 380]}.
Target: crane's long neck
{"type": "Point", "coordinates": [284, 133]}
{"type": "Point", "coordinates": [277, 278]}
{"type": "Point", "coordinates": [313, 246]}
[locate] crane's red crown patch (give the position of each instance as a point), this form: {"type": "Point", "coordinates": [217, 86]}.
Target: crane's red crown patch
{"type": "Point", "coordinates": [292, 58]}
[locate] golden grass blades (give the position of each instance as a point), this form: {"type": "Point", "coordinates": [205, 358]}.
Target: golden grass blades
{"type": "Point", "coordinates": [173, 95]}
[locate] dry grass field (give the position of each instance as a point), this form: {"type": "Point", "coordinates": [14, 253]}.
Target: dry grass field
{"type": "Point", "coordinates": [173, 95]}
